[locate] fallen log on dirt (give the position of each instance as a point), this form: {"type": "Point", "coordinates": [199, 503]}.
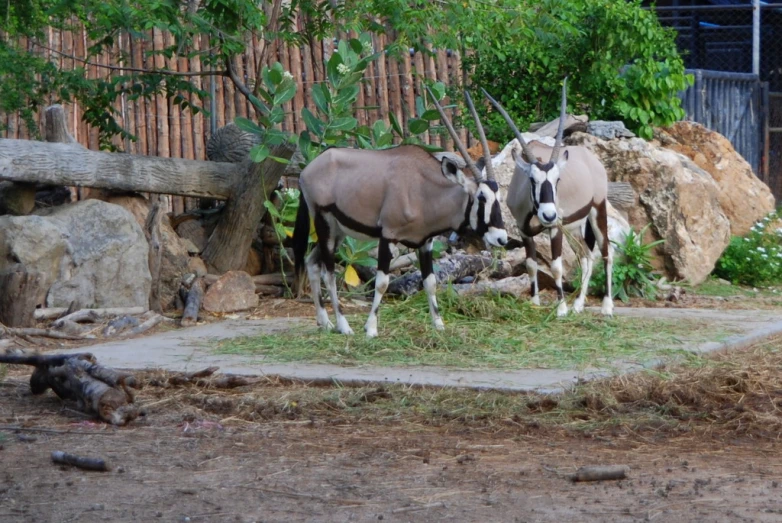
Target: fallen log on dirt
{"type": "Point", "coordinates": [205, 378]}
{"type": "Point", "coordinates": [97, 390]}
{"type": "Point", "coordinates": [81, 462]}
{"type": "Point", "coordinates": [600, 473]}
{"type": "Point", "coordinates": [266, 284]}
{"type": "Point", "coordinates": [148, 323]}
{"type": "Point", "coordinates": [516, 286]}
{"type": "Point", "coordinates": [57, 312]}
{"type": "Point", "coordinates": [46, 333]}
{"type": "Point", "coordinates": [451, 268]}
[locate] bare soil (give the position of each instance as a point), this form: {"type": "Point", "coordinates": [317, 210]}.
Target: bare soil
{"type": "Point", "coordinates": [263, 453]}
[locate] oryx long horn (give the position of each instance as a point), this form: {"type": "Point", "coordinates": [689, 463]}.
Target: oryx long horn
{"type": "Point", "coordinates": [481, 135]}
{"type": "Point", "coordinates": [459, 145]}
{"type": "Point", "coordinates": [561, 128]}
{"type": "Point", "coordinates": [524, 147]}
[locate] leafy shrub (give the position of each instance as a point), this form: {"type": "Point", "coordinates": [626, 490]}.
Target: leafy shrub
{"type": "Point", "coordinates": [622, 65]}
{"type": "Point", "coordinates": [633, 273]}
{"type": "Point", "coordinates": [755, 259]}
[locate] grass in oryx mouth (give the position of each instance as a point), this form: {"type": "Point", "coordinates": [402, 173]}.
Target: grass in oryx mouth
{"type": "Point", "coordinates": [482, 332]}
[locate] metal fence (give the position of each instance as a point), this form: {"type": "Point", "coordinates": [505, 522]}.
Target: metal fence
{"type": "Point", "coordinates": [730, 104]}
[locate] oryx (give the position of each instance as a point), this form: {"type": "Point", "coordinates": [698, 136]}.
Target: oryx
{"type": "Point", "coordinates": [402, 194]}
{"type": "Point", "coordinates": [569, 190]}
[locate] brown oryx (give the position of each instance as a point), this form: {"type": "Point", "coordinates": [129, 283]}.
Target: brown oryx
{"type": "Point", "coordinates": [402, 194]}
{"type": "Point", "coordinates": [569, 190]}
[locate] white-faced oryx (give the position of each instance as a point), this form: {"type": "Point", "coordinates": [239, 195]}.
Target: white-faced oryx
{"type": "Point", "coordinates": [403, 194]}
{"type": "Point", "coordinates": [569, 190]}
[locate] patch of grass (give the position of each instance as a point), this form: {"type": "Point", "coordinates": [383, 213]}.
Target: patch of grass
{"type": "Point", "coordinates": [482, 332]}
{"type": "Point", "coordinates": [714, 287]}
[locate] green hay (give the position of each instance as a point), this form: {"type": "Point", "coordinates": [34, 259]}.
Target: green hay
{"type": "Point", "coordinates": [483, 332]}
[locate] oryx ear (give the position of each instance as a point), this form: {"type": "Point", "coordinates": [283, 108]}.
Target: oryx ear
{"type": "Point", "coordinates": [562, 162]}
{"type": "Point", "coordinates": [452, 171]}
{"type": "Point", "coordinates": [518, 158]}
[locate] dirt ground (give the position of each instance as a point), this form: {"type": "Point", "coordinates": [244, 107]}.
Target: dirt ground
{"type": "Point", "coordinates": [198, 456]}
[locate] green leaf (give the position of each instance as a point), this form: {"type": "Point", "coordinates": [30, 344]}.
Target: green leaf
{"type": "Point", "coordinates": [277, 159]}
{"type": "Point", "coordinates": [320, 98]}
{"type": "Point", "coordinates": [346, 96]}
{"type": "Point", "coordinates": [417, 126]}
{"type": "Point", "coordinates": [287, 92]}
{"type": "Point", "coordinates": [431, 114]}
{"type": "Point", "coordinates": [439, 90]}
{"type": "Point", "coordinates": [259, 153]}
{"type": "Point", "coordinates": [356, 45]}
{"type": "Point", "coordinates": [395, 124]}
{"type": "Point", "coordinates": [346, 123]}
{"type": "Point", "coordinates": [314, 125]}
{"type": "Point", "coordinates": [419, 107]}
{"type": "Point", "coordinates": [246, 125]}
{"type": "Point", "coordinates": [335, 77]}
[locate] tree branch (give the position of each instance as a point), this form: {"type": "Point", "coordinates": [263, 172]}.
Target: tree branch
{"type": "Point", "coordinates": [239, 84]}
{"type": "Point", "coordinates": [166, 72]}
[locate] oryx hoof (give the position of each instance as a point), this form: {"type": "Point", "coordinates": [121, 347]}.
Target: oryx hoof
{"type": "Point", "coordinates": [578, 306]}
{"type": "Point", "coordinates": [562, 309]}
{"type": "Point", "coordinates": [535, 300]}
{"type": "Point", "coordinates": [371, 328]}
{"type": "Point", "coordinates": [438, 324]}
{"type": "Point", "coordinates": [608, 306]}
{"type": "Point", "coordinates": [343, 327]}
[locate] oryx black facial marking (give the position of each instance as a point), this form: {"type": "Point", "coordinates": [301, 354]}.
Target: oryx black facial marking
{"type": "Point", "coordinates": [403, 194]}
{"type": "Point", "coordinates": [567, 192]}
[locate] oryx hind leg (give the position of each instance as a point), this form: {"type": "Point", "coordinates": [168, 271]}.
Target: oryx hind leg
{"type": "Point", "coordinates": [556, 269]}
{"type": "Point", "coordinates": [600, 225]}
{"type": "Point", "coordinates": [532, 268]}
{"type": "Point", "coordinates": [381, 284]}
{"type": "Point", "coordinates": [430, 282]}
{"type": "Point", "coordinates": [328, 242]}
{"type": "Point", "coordinates": [587, 263]}
{"type": "Point", "coordinates": [313, 273]}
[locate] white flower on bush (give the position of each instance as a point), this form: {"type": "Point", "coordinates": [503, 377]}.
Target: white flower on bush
{"type": "Point", "coordinates": [779, 231]}
{"type": "Point", "coordinates": [287, 75]}
{"type": "Point", "coordinates": [761, 249]}
{"type": "Point", "coordinates": [367, 46]}
{"type": "Point", "coordinates": [343, 69]}
{"type": "Point", "coordinates": [764, 256]}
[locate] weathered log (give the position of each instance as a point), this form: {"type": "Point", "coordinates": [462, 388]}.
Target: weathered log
{"type": "Point", "coordinates": [404, 261]}
{"type": "Point", "coordinates": [44, 360]}
{"type": "Point", "coordinates": [57, 312]}
{"type": "Point", "coordinates": [451, 268]}
{"type": "Point", "coordinates": [260, 279]}
{"type": "Point", "coordinates": [82, 315]}
{"type": "Point", "coordinates": [193, 303]}
{"type": "Point", "coordinates": [229, 244]}
{"type": "Point", "coordinates": [621, 195]}
{"type": "Point", "coordinates": [70, 327]}
{"type": "Point", "coordinates": [118, 325]}
{"type": "Point", "coordinates": [145, 326]}
{"type": "Point", "coordinates": [600, 473]}
{"type": "Point", "coordinates": [81, 462]}
{"type": "Point", "coordinates": [46, 333]}
{"type": "Point", "coordinates": [74, 381]}
{"type": "Point", "coordinates": [20, 293]}
{"type": "Point", "coordinates": [73, 165]}
{"type": "Point", "coordinates": [516, 286]}
{"type": "Point", "coordinates": [152, 232]}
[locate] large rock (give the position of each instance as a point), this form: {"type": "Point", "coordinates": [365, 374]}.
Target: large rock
{"type": "Point", "coordinates": [744, 198]}
{"type": "Point", "coordinates": [234, 291]}
{"type": "Point", "coordinates": [679, 199]}
{"type": "Point", "coordinates": [35, 244]}
{"type": "Point", "coordinates": [92, 253]}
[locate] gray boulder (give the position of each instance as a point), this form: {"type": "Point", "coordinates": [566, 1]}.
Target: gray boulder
{"type": "Point", "coordinates": [92, 253]}
{"type": "Point", "coordinates": [608, 130]}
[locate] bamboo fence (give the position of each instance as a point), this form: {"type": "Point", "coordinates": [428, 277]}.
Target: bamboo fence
{"type": "Point", "coordinates": [162, 129]}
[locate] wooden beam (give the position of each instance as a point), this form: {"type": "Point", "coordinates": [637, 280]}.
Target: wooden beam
{"type": "Point", "coordinates": [73, 165]}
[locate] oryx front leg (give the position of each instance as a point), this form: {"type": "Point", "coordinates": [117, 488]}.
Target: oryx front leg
{"type": "Point", "coordinates": [532, 268]}
{"type": "Point", "coordinates": [556, 269]}
{"type": "Point", "coordinates": [381, 284]}
{"type": "Point", "coordinates": [430, 283]}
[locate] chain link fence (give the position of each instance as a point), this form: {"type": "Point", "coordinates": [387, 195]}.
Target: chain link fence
{"type": "Point", "coordinates": [719, 38]}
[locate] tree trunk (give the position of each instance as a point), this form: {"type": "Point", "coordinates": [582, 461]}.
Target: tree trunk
{"type": "Point", "coordinates": [73, 165]}
{"type": "Point", "coordinates": [20, 292]}
{"type": "Point", "coordinates": [621, 195]}
{"type": "Point", "coordinates": [193, 304]}
{"type": "Point", "coordinates": [229, 244]}
{"type": "Point", "coordinates": [152, 232]}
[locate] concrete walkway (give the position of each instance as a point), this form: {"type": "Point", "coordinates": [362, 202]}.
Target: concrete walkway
{"type": "Point", "coordinates": [189, 350]}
